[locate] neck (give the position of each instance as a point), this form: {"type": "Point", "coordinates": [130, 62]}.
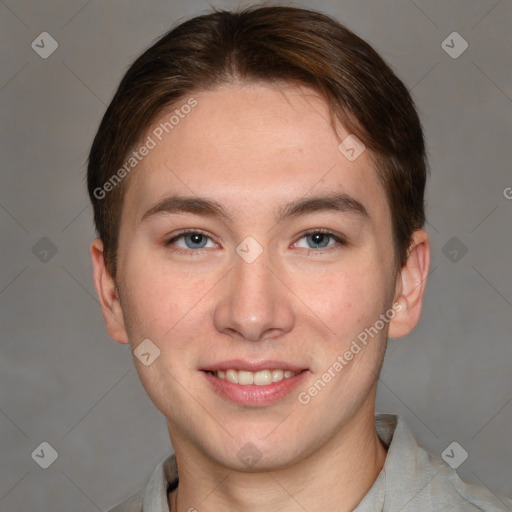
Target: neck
{"type": "Point", "coordinates": [335, 477]}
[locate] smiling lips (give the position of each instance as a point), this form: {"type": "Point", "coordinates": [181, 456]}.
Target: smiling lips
{"type": "Point", "coordinates": [254, 383]}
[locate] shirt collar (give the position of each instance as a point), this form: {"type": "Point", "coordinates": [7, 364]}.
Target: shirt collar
{"type": "Point", "coordinates": [163, 480]}
{"type": "Point", "coordinates": [404, 478]}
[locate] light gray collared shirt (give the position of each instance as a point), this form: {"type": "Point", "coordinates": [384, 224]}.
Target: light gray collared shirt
{"type": "Point", "coordinates": [412, 480]}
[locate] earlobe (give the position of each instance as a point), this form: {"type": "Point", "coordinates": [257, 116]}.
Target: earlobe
{"type": "Point", "coordinates": [107, 293]}
{"type": "Point", "coordinates": [411, 285]}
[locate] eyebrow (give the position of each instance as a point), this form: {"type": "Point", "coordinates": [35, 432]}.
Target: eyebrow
{"type": "Point", "coordinates": [339, 202]}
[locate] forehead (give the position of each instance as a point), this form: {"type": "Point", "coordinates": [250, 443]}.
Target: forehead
{"type": "Point", "coordinates": [249, 146]}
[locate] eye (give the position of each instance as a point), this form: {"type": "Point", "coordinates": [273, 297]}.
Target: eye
{"type": "Point", "coordinates": [319, 239]}
{"type": "Point", "coordinates": [190, 240]}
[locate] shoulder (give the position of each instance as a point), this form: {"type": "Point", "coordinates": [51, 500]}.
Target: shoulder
{"type": "Point", "coordinates": [418, 480]}
{"type": "Point", "coordinates": [447, 488]}
{"type": "Point", "coordinates": [132, 504]}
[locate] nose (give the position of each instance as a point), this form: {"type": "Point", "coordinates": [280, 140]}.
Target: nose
{"type": "Point", "coordinates": [254, 303]}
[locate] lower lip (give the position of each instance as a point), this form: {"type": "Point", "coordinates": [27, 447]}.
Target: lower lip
{"type": "Point", "coordinates": [253, 395]}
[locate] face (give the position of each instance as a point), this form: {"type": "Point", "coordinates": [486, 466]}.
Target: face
{"type": "Point", "coordinates": [249, 241]}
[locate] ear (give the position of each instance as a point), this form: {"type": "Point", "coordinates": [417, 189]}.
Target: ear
{"type": "Point", "coordinates": [109, 299]}
{"type": "Point", "coordinates": [410, 286]}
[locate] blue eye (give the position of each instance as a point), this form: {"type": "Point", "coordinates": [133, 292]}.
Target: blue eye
{"type": "Point", "coordinates": [320, 239]}
{"type": "Point", "coordinates": [191, 240]}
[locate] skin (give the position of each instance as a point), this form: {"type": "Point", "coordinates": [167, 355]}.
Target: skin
{"type": "Point", "coordinates": [254, 148]}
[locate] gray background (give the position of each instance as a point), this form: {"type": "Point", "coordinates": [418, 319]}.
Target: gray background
{"type": "Point", "coordinates": [63, 381]}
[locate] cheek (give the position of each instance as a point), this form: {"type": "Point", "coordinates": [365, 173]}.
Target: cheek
{"type": "Point", "coordinates": [155, 299]}
{"type": "Point", "coordinates": [347, 299]}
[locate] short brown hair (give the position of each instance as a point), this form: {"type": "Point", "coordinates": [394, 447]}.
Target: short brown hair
{"type": "Point", "coordinates": [274, 44]}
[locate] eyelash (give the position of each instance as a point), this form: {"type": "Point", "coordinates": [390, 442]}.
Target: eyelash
{"type": "Point", "coordinates": [339, 241]}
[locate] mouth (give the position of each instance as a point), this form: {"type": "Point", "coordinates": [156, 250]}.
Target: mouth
{"type": "Point", "coordinates": [254, 384]}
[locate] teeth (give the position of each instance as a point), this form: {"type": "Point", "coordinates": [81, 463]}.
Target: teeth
{"type": "Point", "coordinates": [261, 378]}
{"type": "Point", "coordinates": [277, 375]}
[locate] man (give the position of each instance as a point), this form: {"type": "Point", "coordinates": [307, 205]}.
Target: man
{"type": "Point", "coordinates": [257, 184]}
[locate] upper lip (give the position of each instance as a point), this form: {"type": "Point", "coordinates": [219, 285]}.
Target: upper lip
{"type": "Point", "coordinates": [252, 366]}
